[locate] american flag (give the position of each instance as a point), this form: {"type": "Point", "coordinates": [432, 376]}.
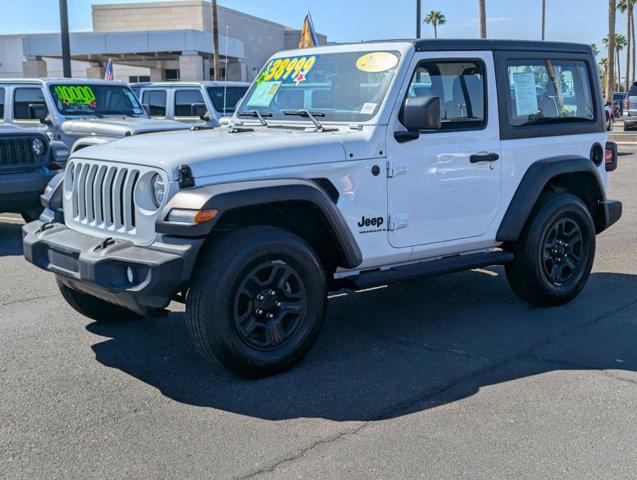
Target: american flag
{"type": "Point", "coordinates": [109, 70]}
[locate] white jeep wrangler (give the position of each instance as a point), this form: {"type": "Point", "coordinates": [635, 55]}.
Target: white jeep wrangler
{"type": "Point", "coordinates": [345, 167]}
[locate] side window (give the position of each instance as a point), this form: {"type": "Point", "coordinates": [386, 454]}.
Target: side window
{"type": "Point", "coordinates": [460, 85]}
{"type": "Point", "coordinates": [156, 100]}
{"type": "Point", "coordinates": [2, 93]}
{"type": "Point", "coordinates": [186, 103]}
{"type": "Point", "coordinates": [23, 99]}
{"type": "Point", "coordinates": [549, 91]}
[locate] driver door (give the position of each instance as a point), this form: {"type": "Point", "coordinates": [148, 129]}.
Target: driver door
{"type": "Point", "coordinates": [446, 185]}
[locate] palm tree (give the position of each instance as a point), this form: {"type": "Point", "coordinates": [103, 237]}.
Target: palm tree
{"type": "Point", "coordinates": [610, 70]}
{"type": "Point", "coordinates": [620, 43]}
{"type": "Point", "coordinates": [434, 19]}
{"type": "Point", "coordinates": [627, 6]}
{"type": "Point", "coordinates": [483, 19]}
{"type": "Point", "coordinates": [594, 49]}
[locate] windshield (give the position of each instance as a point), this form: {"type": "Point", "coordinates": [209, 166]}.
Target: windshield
{"type": "Point", "coordinates": [78, 99]}
{"type": "Point", "coordinates": [346, 87]}
{"type": "Point", "coordinates": [232, 96]}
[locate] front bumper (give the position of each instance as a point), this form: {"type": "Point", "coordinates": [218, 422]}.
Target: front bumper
{"type": "Point", "coordinates": [20, 190]}
{"type": "Point", "coordinates": [91, 265]}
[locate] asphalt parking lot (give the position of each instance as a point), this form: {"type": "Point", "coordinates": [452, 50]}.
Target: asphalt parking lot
{"type": "Point", "coordinates": [446, 378]}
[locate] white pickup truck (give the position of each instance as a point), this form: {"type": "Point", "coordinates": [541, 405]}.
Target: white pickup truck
{"type": "Point", "coordinates": [345, 167]}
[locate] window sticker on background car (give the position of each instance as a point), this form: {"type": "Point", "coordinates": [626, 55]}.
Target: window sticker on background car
{"type": "Point", "coordinates": [263, 94]}
{"type": "Point", "coordinates": [377, 62]}
{"type": "Point", "coordinates": [290, 69]}
{"type": "Point", "coordinates": [368, 108]}
{"type": "Point", "coordinates": [75, 95]}
{"type": "Point", "coordinates": [525, 94]}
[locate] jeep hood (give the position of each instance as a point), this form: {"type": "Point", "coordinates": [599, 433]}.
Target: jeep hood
{"type": "Point", "coordinates": [220, 151]}
{"type": "Point", "coordinates": [119, 127]}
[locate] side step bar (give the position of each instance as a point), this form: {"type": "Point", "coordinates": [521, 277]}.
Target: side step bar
{"type": "Point", "coordinates": [431, 268]}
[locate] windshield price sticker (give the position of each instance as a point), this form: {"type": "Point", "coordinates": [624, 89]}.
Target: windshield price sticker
{"type": "Point", "coordinates": [290, 69]}
{"type": "Point", "coordinates": [264, 94]}
{"type": "Point", "coordinates": [75, 95]}
{"type": "Point", "coordinates": [377, 62]}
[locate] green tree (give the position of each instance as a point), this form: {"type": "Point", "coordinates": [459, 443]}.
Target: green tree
{"type": "Point", "coordinates": [594, 49]}
{"type": "Point", "coordinates": [435, 19]}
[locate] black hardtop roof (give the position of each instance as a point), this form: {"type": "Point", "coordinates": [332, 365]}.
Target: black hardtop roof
{"type": "Point", "coordinates": [482, 44]}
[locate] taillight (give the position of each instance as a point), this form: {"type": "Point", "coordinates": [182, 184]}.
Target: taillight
{"type": "Point", "coordinates": [610, 156]}
{"type": "Point", "coordinates": [626, 103]}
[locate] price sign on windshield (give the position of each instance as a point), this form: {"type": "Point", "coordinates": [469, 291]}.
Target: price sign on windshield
{"type": "Point", "coordinates": [290, 69]}
{"type": "Point", "coordinates": [75, 94]}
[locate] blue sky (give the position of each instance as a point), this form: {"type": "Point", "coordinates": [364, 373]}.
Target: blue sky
{"type": "Point", "coordinates": [353, 20]}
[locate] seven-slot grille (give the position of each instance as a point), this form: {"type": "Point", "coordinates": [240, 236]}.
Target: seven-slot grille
{"type": "Point", "coordinates": [103, 196]}
{"type": "Point", "coordinates": [16, 151]}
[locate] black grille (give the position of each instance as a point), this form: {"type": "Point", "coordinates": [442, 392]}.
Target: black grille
{"type": "Point", "coordinates": [16, 151]}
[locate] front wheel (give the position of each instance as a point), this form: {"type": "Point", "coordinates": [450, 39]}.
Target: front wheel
{"type": "Point", "coordinates": [555, 253]}
{"type": "Point", "coordinates": [257, 301]}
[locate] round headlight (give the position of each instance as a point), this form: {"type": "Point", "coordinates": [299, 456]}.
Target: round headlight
{"type": "Point", "coordinates": [159, 190]}
{"type": "Point", "coordinates": [38, 147]}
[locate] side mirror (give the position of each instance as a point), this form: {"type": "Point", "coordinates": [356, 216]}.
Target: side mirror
{"type": "Point", "coordinates": [199, 110]}
{"type": "Point", "coordinates": [419, 113]}
{"type": "Point", "coordinates": [40, 112]}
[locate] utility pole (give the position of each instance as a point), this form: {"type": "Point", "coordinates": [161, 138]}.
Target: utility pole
{"type": "Point", "coordinates": [215, 39]}
{"type": "Point", "coordinates": [418, 19]}
{"type": "Point", "coordinates": [66, 42]}
{"type": "Point", "coordinates": [543, 20]}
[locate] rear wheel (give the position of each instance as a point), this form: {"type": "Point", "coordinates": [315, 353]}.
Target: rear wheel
{"type": "Point", "coordinates": [94, 308]}
{"type": "Point", "coordinates": [554, 255]}
{"type": "Point", "coordinates": [257, 302]}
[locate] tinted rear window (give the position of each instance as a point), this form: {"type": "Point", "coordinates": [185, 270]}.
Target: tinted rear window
{"type": "Point", "coordinates": [2, 92]}
{"type": "Point", "coordinates": [633, 90]}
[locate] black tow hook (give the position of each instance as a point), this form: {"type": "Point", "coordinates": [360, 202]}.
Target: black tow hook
{"type": "Point", "coordinates": [46, 226]}
{"type": "Point", "coordinates": [107, 242]}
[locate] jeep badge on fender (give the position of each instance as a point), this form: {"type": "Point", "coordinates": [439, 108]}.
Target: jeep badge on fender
{"type": "Point", "coordinates": [482, 160]}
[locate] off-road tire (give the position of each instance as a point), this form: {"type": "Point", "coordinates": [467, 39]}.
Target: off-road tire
{"type": "Point", "coordinates": [530, 274]}
{"type": "Point", "coordinates": [94, 308]}
{"type": "Point", "coordinates": [224, 291]}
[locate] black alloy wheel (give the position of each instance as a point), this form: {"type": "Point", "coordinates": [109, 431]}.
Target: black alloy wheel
{"type": "Point", "coordinates": [563, 246]}
{"type": "Point", "coordinates": [269, 305]}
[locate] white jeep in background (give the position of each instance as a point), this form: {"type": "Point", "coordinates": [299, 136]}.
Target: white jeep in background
{"type": "Point", "coordinates": [79, 113]}
{"type": "Point", "coordinates": [345, 167]}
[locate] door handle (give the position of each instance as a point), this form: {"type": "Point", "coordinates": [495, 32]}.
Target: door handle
{"type": "Point", "coordinates": [484, 157]}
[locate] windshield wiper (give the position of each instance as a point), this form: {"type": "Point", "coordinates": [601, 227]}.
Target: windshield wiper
{"type": "Point", "coordinates": [307, 114]}
{"type": "Point", "coordinates": [258, 115]}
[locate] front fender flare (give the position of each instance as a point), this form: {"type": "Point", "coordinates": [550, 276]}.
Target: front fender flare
{"type": "Point", "coordinates": [229, 197]}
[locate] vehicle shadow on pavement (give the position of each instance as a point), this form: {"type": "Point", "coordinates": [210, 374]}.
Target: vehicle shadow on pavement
{"type": "Point", "coordinates": [396, 350]}
{"type": "Point", "coordinates": [10, 239]}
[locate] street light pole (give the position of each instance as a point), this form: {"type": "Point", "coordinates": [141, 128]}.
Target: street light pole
{"type": "Point", "coordinates": [418, 19]}
{"type": "Point", "coordinates": [66, 42]}
{"type": "Point", "coordinates": [543, 19]}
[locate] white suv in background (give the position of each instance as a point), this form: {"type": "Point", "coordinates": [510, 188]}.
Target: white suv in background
{"type": "Point", "coordinates": [198, 103]}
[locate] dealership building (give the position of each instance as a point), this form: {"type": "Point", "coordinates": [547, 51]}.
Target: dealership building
{"type": "Point", "coordinates": [153, 42]}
